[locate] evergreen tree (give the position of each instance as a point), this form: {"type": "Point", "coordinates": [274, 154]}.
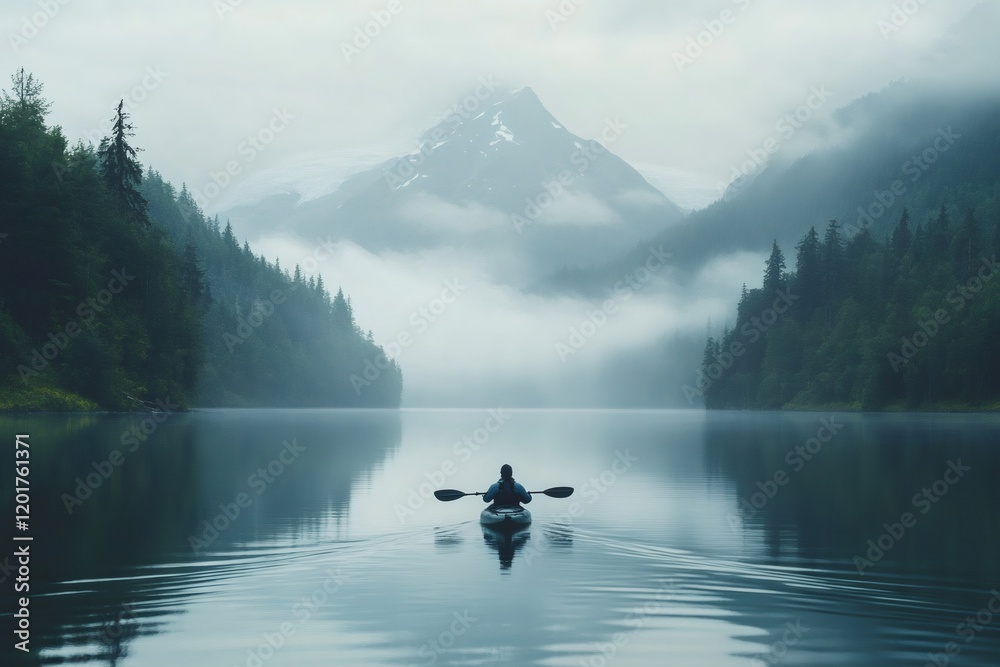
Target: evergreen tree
{"type": "Point", "coordinates": [708, 360]}
{"type": "Point", "coordinates": [919, 245]}
{"type": "Point", "coordinates": [230, 238]}
{"type": "Point", "coordinates": [832, 261]}
{"type": "Point", "coordinates": [343, 314]}
{"type": "Point", "coordinates": [808, 277]}
{"type": "Point", "coordinates": [862, 263]}
{"type": "Point", "coordinates": [939, 234]}
{"type": "Point", "coordinates": [321, 291]}
{"type": "Point", "coordinates": [901, 235]}
{"type": "Point", "coordinates": [967, 245]}
{"type": "Point", "coordinates": [743, 307]}
{"type": "Point", "coordinates": [24, 104]}
{"type": "Point", "coordinates": [774, 271]}
{"type": "Point", "coordinates": [120, 166]}
{"type": "Point", "coordinates": [193, 273]}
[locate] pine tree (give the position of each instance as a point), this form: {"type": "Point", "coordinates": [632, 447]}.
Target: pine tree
{"type": "Point", "coordinates": [709, 358]}
{"type": "Point", "coordinates": [808, 278]}
{"type": "Point", "coordinates": [230, 238]}
{"type": "Point", "coordinates": [919, 244]}
{"type": "Point", "coordinates": [743, 307]}
{"type": "Point", "coordinates": [859, 271]}
{"type": "Point", "coordinates": [832, 262]}
{"type": "Point", "coordinates": [774, 271]}
{"type": "Point", "coordinates": [26, 105]}
{"type": "Point", "coordinates": [120, 166]}
{"type": "Point", "coordinates": [938, 234]}
{"type": "Point", "coordinates": [967, 244]}
{"type": "Point", "coordinates": [343, 315]}
{"type": "Point", "coordinates": [321, 290]}
{"type": "Point", "coordinates": [901, 235]}
{"type": "Point", "coordinates": [189, 207]}
{"type": "Point", "coordinates": [193, 274]}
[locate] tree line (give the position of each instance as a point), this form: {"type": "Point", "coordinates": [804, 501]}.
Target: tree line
{"type": "Point", "coordinates": [908, 321]}
{"type": "Point", "coordinates": [117, 292]}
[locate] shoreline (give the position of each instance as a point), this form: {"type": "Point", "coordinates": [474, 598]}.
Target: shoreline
{"type": "Point", "coordinates": [943, 408]}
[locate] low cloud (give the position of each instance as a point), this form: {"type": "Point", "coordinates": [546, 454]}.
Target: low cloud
{"type": "Point", "coordinates": [578, 209]}
{"type": "Point", "coordinates": [496, 345]}
{"type": "Point", "coordinates": [639, 198]}
{"type": "Point", "coordinates": [439, 215]}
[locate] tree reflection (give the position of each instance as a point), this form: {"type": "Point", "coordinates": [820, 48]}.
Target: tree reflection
{"type": "Point", "coordinates": [830, 502]}
{"type": "Point", "coordinates": [116, 632]}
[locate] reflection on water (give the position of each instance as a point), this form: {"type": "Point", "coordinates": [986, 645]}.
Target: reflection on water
{"type": "Point", "coordinates": [505, 543]}
{"type": "Point", "coordinates": [116, 632]}
{"type": "Point", "coordinates": [119, 514]}
{"type": "Point", "coordinates": [840, 494]}
{"type": "Point", "coordinates": [270, 538]}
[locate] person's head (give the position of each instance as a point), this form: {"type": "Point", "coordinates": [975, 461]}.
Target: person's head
{"type": "Point", "coordinates": [506, 471]}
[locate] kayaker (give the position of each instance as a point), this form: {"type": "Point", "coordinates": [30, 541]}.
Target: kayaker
{"type": "Point", "coordinates": [506, 492]}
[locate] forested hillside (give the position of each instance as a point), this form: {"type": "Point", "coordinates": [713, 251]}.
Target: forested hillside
{"type": "Point", "coordinates": [271, 338]}
{"type": "Point", "coordinates": [908, 321]}
{"type": "Point", "coordinates": [117, 293]}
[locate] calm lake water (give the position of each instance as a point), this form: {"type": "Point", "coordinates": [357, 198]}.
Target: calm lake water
{"type": "Point", "coordinates": [692, 539]}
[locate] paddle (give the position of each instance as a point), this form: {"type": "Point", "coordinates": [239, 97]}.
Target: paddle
{"type": "Point", "coordinates": [555, 492]}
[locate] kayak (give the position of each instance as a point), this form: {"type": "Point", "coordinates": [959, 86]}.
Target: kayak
{"type": "Point", "coordinates": [505, 517]}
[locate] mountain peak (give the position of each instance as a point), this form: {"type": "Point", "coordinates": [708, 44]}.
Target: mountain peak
{"type": "Point", "coordinates": [501, 153]}
{"type": "Point", "coordinates": [524, 99]}
{"type": "Point", "coordinates": [524, 93]}
{"type": "Point", "coordinates": [507, 118]}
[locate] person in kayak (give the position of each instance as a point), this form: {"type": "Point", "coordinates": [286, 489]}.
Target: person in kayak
{"type": "Point", "coordinates": [506, 492]}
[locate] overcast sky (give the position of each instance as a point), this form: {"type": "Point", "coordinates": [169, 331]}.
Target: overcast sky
{"type": "Point", "coordinates": [223, 68]}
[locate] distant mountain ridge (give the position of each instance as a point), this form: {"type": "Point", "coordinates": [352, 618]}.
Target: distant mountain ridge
{"type": "Point", "coordinates": [865, 167]}
{"type": "Point", "coordinates": [506, 175]}
{"type": "Point", "coordinates": [910, 145]}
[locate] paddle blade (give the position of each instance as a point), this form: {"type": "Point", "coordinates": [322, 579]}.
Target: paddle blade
{"type": "Point", "coordinates": [559, 492]}
{"type": "Point", "coordinates": [449, 494]}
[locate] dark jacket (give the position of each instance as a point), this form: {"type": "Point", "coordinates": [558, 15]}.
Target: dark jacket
{"type": "Point", "coordinates": [507, 492]}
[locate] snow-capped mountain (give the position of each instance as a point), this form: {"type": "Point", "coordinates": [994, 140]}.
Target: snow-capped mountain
{"type": "Point", "coordinates": [501, 176]}
{"type": "Point", "coordinates": [508, 151]}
